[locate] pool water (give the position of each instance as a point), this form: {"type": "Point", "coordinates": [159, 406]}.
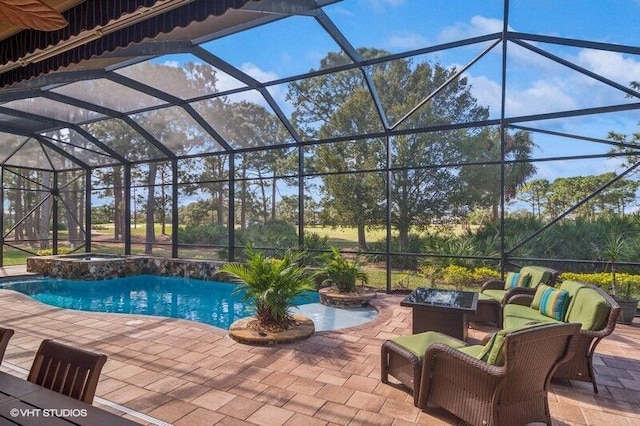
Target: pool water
{"type": "Point", "coordinates": [208, 302]}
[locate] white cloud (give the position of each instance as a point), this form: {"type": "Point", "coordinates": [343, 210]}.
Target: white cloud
{"type": "Point", "coordinates": [612, 65]}
{"type": "Point", "coordinates": [540, 96]}
{"type": "Point", "coordinates": [552, 171]}
{"type": "Point", "coordinates": [174, 64]}
{"type": "Point", "coordinates": [487, 92]}
{"type": "Point", "coordinates": [226, 82]}
{"type": "Point", "coordinates": [405, 41]}
{"type": "Point", "coordinates": [254, 71]}
{"type": "Point", "coordinates": [479, 25]}
{"type": "Point", "coordinates": [381, 4]}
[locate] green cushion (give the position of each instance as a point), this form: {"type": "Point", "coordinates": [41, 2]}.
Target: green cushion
{"type": "Point", "coordinates": [418, 343]}
{"type": "Point", "coordinates": [590, 309]}
{"type": "Point", "coordinates": [482, 296]}
{"type": "Point", "coordinates": [473, 350]}
{"type": "Point", "coordinates": [572, 287]}
{"type": "Point", "coordinates": [539, 275]}
{"type": "Point", "coordinates": [554, 303]}
{"type": "Point", "coordinates": [517, 322]}
{"type": "Point", "coordinates": [516, 279]}
{"type": "Point", "coordinates": [495, 294]}
{"type": "Point", "coordinates": [493, 352]}
{"type": "Point", "coordinates": [517, 316]}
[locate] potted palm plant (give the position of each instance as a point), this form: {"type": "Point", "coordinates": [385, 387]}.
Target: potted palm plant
{"type": "Point", "coordinates": [628, 301]}
{"type": "Point", "coordinates": [341, 275]}
{"type": "Point", "coordinates": [616, 248]}
{"type": "Point", "coordinates": [270, 285]}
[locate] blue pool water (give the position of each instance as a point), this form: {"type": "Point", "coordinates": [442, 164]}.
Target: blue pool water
{"type": "Point", "coordinates": [209, 302]}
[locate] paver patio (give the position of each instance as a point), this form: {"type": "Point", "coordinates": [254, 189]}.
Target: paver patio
{"type": "Point", "coordinates": [187, 373]}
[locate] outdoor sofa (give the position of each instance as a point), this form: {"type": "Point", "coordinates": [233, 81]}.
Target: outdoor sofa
{"type": "Point", "coordinates": [572, 302]}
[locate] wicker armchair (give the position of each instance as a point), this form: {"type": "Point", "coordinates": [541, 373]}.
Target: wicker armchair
{"type": "Point", "coordinates": [484, 394]}
{"type": "Point", "coordinates": [581, 367]}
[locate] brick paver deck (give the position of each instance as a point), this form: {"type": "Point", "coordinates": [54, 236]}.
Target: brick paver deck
{"type": "Point", "coordinates": [187, 373]}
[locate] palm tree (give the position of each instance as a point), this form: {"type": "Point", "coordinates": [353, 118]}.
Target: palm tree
{"type": "Point", "coordinates": [341, 272]}
{"type": "Point", "coordinates": [270, 285]}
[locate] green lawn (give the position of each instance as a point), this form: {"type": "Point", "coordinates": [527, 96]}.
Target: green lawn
{"type": "Point", "coordinates": [345, 237]}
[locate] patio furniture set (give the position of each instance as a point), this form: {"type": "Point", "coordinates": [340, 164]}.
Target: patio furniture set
{"type": "Point", "coordinates": [59, 389]}
{"type": "Point", "coordinates": [544, 332]}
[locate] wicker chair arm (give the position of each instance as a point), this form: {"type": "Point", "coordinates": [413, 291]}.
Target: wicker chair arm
{"type": "Point", "coordinates": [493, 285]}
{"type": "Point", "coordinates": [519, 290]}
{"type": "Point", "coordinates": [520, 299]}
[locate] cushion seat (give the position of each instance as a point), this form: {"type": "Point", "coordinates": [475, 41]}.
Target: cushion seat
{"type": "Point", "coordinates": [525, 313]}
{"type": "Point", "coordinates": [495, 294]}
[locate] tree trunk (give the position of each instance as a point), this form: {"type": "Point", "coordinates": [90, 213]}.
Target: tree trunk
{"type": "Point", "coordinates": [150, 237]}
{"type": "Point", "coordinates": [18, 233]}
{"type": "Point", "coordinates": [220, 213]}
{"type": "Point", "coordinates": [163, 212]}
{"type": "Point", "coordinates": [45, 212]}
{"type": "Point", "coordinates": [265, 211]}
{"type": "Point", "coordinates": [362, 238]}
{"type": "Point", "coordinates": [273, 197]}
{"type": "Point", "coordinates": [403, 234]}
{"type": "Point", "coordinates": [243, 199]}
{"type": "Point", "coordinates": [118, 196]}
{"type": "Point", "coordinates": [495, 212]}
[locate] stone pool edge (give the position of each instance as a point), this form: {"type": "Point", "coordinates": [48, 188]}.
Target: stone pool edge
{"type": "Point", "coordinates": [64, 266]}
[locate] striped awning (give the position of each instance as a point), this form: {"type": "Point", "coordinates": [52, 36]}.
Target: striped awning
{"type": "Point", "coordinates": [93, 14]}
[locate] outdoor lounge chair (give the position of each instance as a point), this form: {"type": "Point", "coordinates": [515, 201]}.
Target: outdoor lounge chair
{"type": "Point", "coordinates": [511, 391]}
{"type": "Point", "coordinates": [5, 335]}
{"type": "Point", "coordinates": [67, 370]}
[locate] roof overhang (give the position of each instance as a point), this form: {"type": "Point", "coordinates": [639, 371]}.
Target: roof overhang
{"type": "Point", "coordinates": [102, 34]}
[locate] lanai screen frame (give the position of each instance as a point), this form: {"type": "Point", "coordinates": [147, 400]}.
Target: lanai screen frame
{"type": "Point", "coordinates": [504, 123]}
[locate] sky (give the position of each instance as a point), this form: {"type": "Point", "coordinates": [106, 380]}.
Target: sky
{"type": "Point", "coordinates": [535, 84]}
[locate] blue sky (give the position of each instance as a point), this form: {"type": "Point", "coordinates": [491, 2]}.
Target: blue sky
{"type": "Point", "coordinates": [535, 84]}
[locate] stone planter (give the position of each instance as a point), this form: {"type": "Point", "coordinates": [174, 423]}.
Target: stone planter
{"type": "Point", "coordinates": [242, 332]}
{"type": "Point", "coordinates": [628, 310]}
{"type": "Point", "coordinates": [330, 296]}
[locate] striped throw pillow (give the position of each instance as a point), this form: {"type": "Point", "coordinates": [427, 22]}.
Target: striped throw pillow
{"type": "Point", "coordinates": [516, 279]}
{"type": "Point", "coordinates": [554, 303]}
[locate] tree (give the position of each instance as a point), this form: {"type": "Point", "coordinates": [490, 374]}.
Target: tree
{"type": "Point", "coordinates": [482, 181]}
{"type": "Point", "coordinates": [425, 182]}
{"type": "Point", "coordinates": [535, 194]}
{"type": "Point", "coordinates": [565, 193]}
{"type": "Point", "coordinates": [249, 125]}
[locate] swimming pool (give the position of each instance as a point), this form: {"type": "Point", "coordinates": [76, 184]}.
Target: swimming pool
{"type": "Point", "coordinates": [208, 302]}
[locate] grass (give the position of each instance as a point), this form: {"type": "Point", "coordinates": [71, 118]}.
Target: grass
{"type": "Point", "coordinates": [345, 237]}
{"type": "Point", "coordinates": [400, 280]}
